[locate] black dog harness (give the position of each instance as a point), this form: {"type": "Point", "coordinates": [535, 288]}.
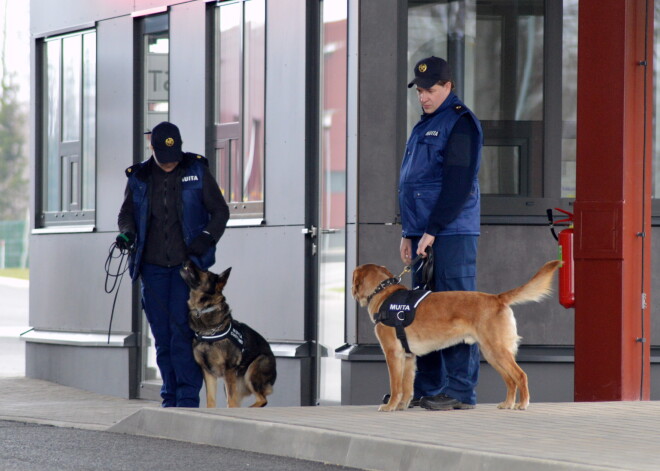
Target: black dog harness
{"type": "Point", "coordinates": [231, 332]}
{"type": "Point", "coordinates": [398, 311]}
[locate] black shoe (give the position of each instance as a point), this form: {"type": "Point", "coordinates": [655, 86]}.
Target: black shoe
{"type": "Point", "coordinates": [413, 402]}
{"type": "Point", "coordinates": [443, 402]}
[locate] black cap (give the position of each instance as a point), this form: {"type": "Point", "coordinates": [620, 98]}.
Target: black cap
{"type": "Point", "coordinates": [166, 141]}
{"type": "Point", "coordinates": [430, 71]}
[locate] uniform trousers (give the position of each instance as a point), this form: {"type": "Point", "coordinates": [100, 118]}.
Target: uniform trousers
{"type": "Point", "coordinates": [453, 371]}
{"type": "Point", "coordinates": [164, 300]}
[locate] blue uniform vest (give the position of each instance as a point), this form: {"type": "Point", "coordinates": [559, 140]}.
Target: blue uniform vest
{"type": "Point", "coordinates": [420, 181]}
{"type": "Point", "coordinates": [192, 214]}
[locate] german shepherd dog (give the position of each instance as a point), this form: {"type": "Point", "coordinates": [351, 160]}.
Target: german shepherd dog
{"type": "Point", "coordinates": [224, 347]}
{"type": "Point", "coordinates": [446, 318]}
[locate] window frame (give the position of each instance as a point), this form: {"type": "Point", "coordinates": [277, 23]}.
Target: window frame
{"type": "Point", "coordinates": [71, 216]}
{"type": "Point", "coordinates": [544, 168]}
{"type": "Point", "coordinates": [229, 136]}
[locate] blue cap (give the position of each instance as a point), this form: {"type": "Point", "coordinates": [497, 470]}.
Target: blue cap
{"type": "Point", "coordinates": [430, 71]}
{"type": "Point", "coordinates": [166, 141]}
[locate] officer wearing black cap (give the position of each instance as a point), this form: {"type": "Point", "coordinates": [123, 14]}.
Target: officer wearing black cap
{"type": "Point", "coordinates": [440, 207]}
{"type": "Point", "coordinates": [173, 210]}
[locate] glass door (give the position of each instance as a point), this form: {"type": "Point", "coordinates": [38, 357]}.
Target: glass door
{"type": "Point", "coordinates": [155, 67]}
{"type": "Point", "coordinates": [332, 198]}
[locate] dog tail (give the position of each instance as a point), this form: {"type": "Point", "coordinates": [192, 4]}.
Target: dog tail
{"type": "Point", "coordinates": [535, 289]}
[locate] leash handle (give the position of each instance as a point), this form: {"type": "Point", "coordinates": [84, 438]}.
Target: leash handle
{"type": "Point", "coordinates": [407, 268]}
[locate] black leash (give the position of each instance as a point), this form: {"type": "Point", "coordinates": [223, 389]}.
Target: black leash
{"type": "Point", "coordinates": [122, 267]}
{"type": "Point", "coordinates": [116, 277]}
{"type": "Point", "coordinates": [393, 281]}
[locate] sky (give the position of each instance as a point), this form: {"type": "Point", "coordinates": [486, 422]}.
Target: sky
{"type": "Point", "coordinates": [17, 47]}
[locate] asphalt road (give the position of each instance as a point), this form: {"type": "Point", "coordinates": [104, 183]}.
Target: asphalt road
{"type": "Point", "coordinates": [32, 447]}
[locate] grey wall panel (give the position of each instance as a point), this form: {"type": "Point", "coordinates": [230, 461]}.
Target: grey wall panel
{"type": "Point", "coordinates": [285, 112]}
{"type": "Point", "coordinates": [188, 94]}
{"type": "Point", "coordinates": [289, 389]}
{"type": "Point", "coordinates": [67, 285]}
{"type": "Point", "coordinates": [378, 243]}
{"type": "Point", "coordinates": [266, 286]}
{"type": "Point", "coordinates": [115, 87]}
{"type": "Point", "coordinates": [508, 257]}
{"type": "Point", "coordinates": [352, 312]}
{"type": "Point", "coordinates": [100, 370]}
{"type": "Point", "coordinates": [381, 131]}
{"type": "Point", "coordinates": [365, 382]}
{"type": "Point", "coordinates": [548, 382]}
{"type": "Point", "coordinates": [47, 16]}
{"type": "Point", "coordinates": [140, 5]}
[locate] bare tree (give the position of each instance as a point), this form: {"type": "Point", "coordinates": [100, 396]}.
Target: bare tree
{"type": "Point", "coordinates": [13, 162]}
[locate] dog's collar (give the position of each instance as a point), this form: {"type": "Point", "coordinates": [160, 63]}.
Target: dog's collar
{"type": "Point", "coordinates": [198, 313]}
{"type": "Point", "coordinates": [383, 284]}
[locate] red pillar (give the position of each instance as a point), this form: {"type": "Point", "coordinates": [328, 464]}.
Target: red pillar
{"type": "Point", "coordinates": [613, 203]}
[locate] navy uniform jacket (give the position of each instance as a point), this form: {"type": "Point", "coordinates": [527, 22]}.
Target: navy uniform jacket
{"type": "Point", "coordinates": [199, 206]}
{"type": "Point", "coordinates": [438, 185]}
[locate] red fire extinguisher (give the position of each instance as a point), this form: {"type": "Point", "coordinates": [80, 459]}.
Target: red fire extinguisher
{"type": "Point", "coordinates": [566, 272]}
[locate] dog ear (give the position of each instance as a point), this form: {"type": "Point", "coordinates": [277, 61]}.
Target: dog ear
{"type": "Point", "coordinates": [357, 280]}
{"type": "Point", "coordinates": [222, 278]}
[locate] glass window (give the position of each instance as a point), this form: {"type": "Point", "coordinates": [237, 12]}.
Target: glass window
{"type": "Point", "coordinates": [496, 52]}
{"type": "Point", "coordinates": [156, 74]}
{"type": "Point", "coordinates": [569, 97]}
{"type": "Point", "coordinates": [240, 104]}
{"type": "Point", "coordinates": [503, 56]}
{"type": "Point", "coordinates": [68, 162]}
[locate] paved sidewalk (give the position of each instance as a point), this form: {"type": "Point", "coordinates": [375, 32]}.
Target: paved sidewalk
{"type": "Point", "coordinates": [548, 436]}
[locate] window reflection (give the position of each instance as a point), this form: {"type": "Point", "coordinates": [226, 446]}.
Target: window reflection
{"type": "Point", "coordinates": [240, 104]}
{"type": "Point", "coordinates": [156, 74]}
{"type": "Point", "coordinates": [68, 163]}
{"type": "Point", "coordinates": [495, 49]}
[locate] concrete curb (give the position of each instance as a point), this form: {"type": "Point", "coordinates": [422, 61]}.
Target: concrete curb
{"type": "Point", "coordinates": [327, 446]}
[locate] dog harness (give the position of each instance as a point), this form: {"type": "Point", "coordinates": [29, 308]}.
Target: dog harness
{"type": "Point", "coordinates": [398, 311]}
{"type": "Point", "coordinates": [231, 332]}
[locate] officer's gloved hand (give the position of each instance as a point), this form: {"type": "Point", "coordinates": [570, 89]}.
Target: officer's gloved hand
{"type": "Point", "coordinates": [201, 244]}
{"type": "Point", "coordinates": [125, 240]}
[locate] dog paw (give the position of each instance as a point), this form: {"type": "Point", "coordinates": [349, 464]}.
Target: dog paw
{"type": "Point", "coordinates": [520, 406]}
{"type": "Point", "coordinates": [505, 405]}
{"type": "Point", "coordinates": [386, 408]}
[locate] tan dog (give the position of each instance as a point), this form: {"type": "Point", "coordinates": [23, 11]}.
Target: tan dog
{"type": "Point", "coordinates": [447, 318]}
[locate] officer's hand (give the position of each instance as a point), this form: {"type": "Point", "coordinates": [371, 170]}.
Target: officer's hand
{"type": "Point", "coordinates": [405, 250]}
{"type": "Point", "coordinates": [426, 241]}
{"type": "Point", "coordinates": [125, 240]}
{"type": "Point", "coordinates": [201, 244]}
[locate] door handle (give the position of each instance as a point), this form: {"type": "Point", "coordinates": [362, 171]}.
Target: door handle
{"type": "Point", "coordinates": [311, 231]}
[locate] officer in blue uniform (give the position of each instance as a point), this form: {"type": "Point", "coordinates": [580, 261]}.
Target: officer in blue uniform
{"type": "Point", "coordinates": [440, 207]}
{"type": "Point", "coordinates": [173, 210]}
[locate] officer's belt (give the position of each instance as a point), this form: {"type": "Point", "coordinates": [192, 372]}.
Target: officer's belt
{"type": "Point", "coordinates": [398, 311]}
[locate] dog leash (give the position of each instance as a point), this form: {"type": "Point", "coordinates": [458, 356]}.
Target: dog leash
{"type": "Point", "coordinates": [408, 268]}
{"type": "Point", "coordinates": [116, 276]}
{"type": "Point", "coordinates": [393, 281]}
